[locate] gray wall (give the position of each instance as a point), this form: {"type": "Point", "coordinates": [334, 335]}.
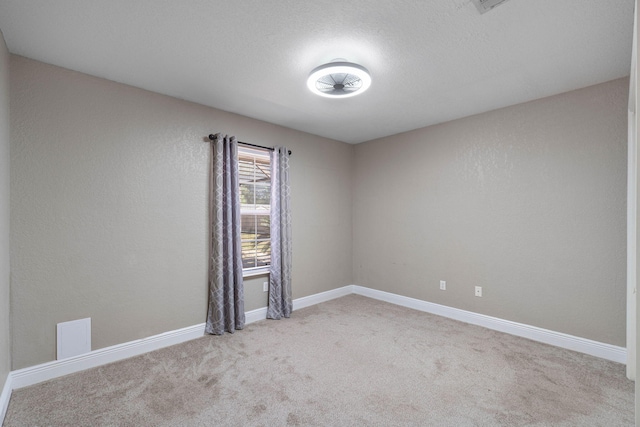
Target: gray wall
{"type": "Point", "coordinates": [528, 202]}
{"type": "Point", "coordinates": [5, 336]}
{"type": "Point", "coordinates": [109, 208]}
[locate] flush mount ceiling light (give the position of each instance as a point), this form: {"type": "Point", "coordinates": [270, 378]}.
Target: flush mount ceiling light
{"type": "Point", "coordinates": [339, 80]}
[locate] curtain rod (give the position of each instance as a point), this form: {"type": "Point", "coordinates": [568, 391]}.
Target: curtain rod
{"type": "Point", "coordinates": [212, 137]}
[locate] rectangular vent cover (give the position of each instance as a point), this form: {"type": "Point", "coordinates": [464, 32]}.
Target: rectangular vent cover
{"type": "Point", "coordinates": [73, 338]}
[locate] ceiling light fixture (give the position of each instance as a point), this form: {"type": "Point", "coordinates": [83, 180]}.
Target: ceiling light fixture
{"type": "Point", "coordinates": [339, 80]}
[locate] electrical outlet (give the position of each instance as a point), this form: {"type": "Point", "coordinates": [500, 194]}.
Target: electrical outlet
{"type": "Point", "coordinates": [478, 291]}
{"type": "Point", "coordinates": [265, 286]}
{"type": "Point", "coordinates": [443, 285]}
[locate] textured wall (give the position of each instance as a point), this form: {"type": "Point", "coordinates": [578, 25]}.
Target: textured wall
{"type": "Point", "coordinates": [109, 208]}
{"type": "Point", "coordinates": [527, 201]}
{"type": "Point", "coordinates": [5, 335]}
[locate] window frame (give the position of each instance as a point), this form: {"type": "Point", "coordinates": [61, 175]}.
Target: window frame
{"type": "Point", "coordinates": [255, 154]}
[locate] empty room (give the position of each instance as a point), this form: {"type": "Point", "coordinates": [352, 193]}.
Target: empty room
{"type": "Point", "coordinates": [250, 213]}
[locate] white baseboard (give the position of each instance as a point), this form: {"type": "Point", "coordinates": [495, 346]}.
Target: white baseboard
{"type": "Point", "coordinates": [46, 371]}
{"type": "Point", "coordinates": [298, 303]}
{"type": "Point", "coordinates": [57, 368]}
{"type": "Point", "coordinates": [321, 297]}
{"type": "Point", "coordinates": [4, 397]}
{"type": "Point", "coordinates": [255, 315]}
{"type": "Point", "coordinates": [558, 339]}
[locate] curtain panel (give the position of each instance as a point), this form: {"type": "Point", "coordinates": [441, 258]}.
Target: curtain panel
{"type": "Point", "coordinates": [280, 304]}
{"type": "Point", "coordinates": [226, 292]}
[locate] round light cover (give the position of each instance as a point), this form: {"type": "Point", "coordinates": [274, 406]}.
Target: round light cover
{"type": "Point", "coordinates": [339, 80]}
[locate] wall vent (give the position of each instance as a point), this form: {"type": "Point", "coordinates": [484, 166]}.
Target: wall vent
{"type": "Point", "coordinates": [73, 338]}
{"type": "Point", "coordinates": [486, 5]}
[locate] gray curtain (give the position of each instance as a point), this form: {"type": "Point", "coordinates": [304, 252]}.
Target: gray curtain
{"type": "Point", "coordinates": [280, 270]}
{"type": "Point", "coordinates": [226, 293]}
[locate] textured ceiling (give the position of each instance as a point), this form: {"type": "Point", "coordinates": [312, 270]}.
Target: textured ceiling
{"type": "Point", "coordinates": [430, 60]}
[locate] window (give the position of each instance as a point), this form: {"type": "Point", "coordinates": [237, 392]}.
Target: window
{"type": "Point", "coordinates": [255, 197]}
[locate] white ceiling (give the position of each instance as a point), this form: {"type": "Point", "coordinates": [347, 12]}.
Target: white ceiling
{"type": "Point", "coordinates": [430, 60]}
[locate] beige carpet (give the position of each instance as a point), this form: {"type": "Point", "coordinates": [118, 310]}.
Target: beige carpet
{"type": "Point", "coordinates": [352, 361]}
